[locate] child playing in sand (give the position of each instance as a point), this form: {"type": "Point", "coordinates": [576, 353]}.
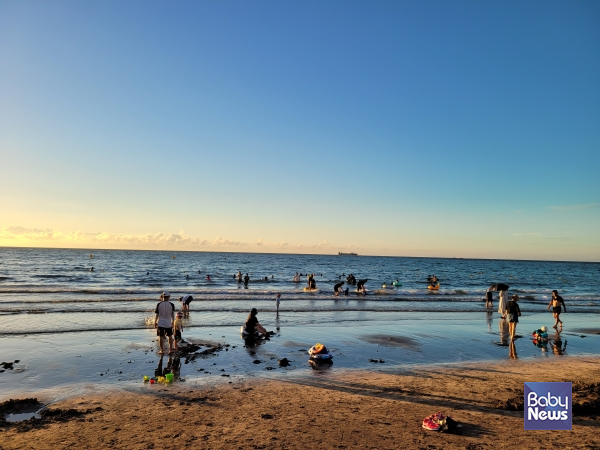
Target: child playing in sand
{"type": "Point", "coordinates": [277, 301]}
{"type": "Point", "coordinates": [178, 326]}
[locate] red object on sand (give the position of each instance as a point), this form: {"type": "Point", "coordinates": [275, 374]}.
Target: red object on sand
{"type": "Point", "coordinates": [428, 424]}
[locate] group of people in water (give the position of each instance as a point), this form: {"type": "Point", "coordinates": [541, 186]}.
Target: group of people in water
{"type": "Point", "coordinates": [338, 288]}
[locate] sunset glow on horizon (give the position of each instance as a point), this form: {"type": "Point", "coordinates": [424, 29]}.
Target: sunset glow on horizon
{"type": "Point", "coordinates": [430, 129]}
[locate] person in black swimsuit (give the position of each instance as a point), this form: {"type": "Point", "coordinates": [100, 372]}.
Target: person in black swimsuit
{"type": "Point", "coordinates": [556, 302]}
{"type": "Point", "coordinates": [252, 326]}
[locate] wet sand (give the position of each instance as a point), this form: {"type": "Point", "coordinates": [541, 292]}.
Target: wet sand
{"type": "Point", "coordinates": [328, 409]}
{"type": "Point", "coordinates": [65, 363]}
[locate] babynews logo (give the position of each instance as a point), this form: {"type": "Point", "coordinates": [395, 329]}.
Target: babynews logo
{"type": "Point", "coordinates": [548, 406]}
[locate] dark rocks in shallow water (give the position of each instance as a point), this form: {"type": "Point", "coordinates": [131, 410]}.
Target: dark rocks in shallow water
{"type": "Point", "coordinates": [283, 362]}
{"type": "Point", "coordinates": [192, 352]}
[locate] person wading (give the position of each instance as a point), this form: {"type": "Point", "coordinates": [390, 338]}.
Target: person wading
{"type": "Point", "coordinates": [164, 316]}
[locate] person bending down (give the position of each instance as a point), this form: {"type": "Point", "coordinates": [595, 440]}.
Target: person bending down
{"type": "Point", "coordinates": [251, 326]}
{"type": "Point", "coordinates": [337, 289]}
{"type": "Point", "coordinates": [185, 302]}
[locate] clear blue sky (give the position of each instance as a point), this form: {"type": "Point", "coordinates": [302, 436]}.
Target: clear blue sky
{"type": "Point", "coordinates": [427, 128]}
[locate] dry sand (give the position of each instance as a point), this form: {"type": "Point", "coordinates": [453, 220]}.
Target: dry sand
{"type": "Point", "coordinates": [357, 409]}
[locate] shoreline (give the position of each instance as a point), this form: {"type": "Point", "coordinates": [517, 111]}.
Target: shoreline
{"type": "Point", "coordinates": [97, 358]}
{"type": "Point", "coordinates": [348, 409]}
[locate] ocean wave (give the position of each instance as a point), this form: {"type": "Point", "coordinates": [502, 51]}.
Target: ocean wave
{"type": "Point", "coordinates": [581, 309]}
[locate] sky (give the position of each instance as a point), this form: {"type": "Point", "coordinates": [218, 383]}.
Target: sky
{"type": "Point", "coordinates": [401, 128]}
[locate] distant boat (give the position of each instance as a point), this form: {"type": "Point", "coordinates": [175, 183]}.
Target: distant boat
{"type": "Point", "coordinates": [347, 254]}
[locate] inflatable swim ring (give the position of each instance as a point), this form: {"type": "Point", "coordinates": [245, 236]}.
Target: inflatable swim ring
{"type": "Point", "coordinates": [246, 335]}
{"type": "Point", "coordinates": [433, 288]}
{"type": "Point", "coordinates": [306, 289]}
{"type": "Point", "coordinates": [397, 283]}
{"type": "Point", "coordinates": [318, 352]}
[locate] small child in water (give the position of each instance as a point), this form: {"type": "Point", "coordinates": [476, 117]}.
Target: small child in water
{"type": "Point", "coordinates": [178, 328]}
{"type": "Point", "coordinates": [277, 301]}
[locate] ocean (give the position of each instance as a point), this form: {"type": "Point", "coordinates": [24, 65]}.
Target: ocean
{"type": "Point", "coordinates": [55, 308]}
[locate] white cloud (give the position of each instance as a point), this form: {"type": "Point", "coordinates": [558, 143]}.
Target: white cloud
{"type": "Point", "coordinates": [19, 236]}
{"type": "Point", "coordinates": [143, 240]}
{"type": "Point", "coordinates": [220, 242]}
{"type": "Point", "coordinates": [574, 207]}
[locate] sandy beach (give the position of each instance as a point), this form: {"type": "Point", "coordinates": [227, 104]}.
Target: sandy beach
{"type": "Point", "coordinates": [351, 409]}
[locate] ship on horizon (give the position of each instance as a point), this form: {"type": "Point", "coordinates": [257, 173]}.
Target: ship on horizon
{"type": "Point", "coordinates": [347, 254]}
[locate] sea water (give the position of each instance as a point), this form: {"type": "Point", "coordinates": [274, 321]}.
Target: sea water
{"type": "Point", "coordinates": [68, 323]}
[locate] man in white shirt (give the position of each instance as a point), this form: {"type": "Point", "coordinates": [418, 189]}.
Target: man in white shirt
{"type": "Point", "coordinates": [163, 321]}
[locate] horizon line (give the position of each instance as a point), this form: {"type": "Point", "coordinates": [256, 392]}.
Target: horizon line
{"type": "Point", "coordinates": [300, 254]}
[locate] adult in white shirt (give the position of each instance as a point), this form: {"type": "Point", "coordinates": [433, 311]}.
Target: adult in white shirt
{"type": "Point", "coordinates": [163, 321]}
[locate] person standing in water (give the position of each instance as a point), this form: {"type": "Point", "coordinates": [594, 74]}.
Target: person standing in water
{"type": "Point", "coordinates": [556, 302]}
{"type": "Point", "coordinates": [488, 299]}
{"type": "Point", "coordinates": [337, 288]}
{"type": "Point", "coordinates": [513, 312]}
{"type": "Point", "coordinates": [296, 278]}
{"type": "Point", "coordinates": [239, 276]}
{"type": "Point", "coordinates": [163, 321]}
{"type": "Point", "coordinates": [246, 280]}
{"type": "Point", "coordinates": [503, 301]}
{"type": "Point", "coordinates": [277, 301]}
